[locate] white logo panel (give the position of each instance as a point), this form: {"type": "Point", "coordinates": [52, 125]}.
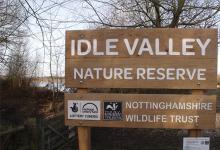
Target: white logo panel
{"type": "Point", "coordinates": [83, 110]}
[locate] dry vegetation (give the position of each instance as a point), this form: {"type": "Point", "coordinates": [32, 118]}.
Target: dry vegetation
{"type": "Point", "coordinates": [20, 103]}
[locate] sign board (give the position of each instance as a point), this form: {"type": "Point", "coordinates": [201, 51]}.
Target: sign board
{"type": "Point", "coordinates": [142, 58]}
{"type": "Point", "coordinates": [140, 110]}
{"type": "Point", "coordinates": [198, 143]}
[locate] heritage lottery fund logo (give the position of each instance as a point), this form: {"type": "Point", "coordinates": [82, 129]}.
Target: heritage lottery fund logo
{"type": "Point", "coordinates": [84, 110]}
{"type": "Point", "coordinates": [112, 110]}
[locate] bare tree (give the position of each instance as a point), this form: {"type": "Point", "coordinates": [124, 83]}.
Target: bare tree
{"type": "Point", "coordinates": [15, 61]}
{"type": "Point", "coordinates": [20, 69]}
{"type": "Point", "coordinates": [12, 17]}
{"type": "Point", "coordinates": [155, 13]}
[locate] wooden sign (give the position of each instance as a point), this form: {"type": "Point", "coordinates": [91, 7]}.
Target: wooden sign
{"type": "Point", "coordinates": [140, 111]}
{"type": "Point", "coordinates": [142, 58]}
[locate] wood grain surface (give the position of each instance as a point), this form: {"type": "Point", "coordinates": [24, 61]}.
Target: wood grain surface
{"type": "Point", "coordinates": [124, 60]}
{"type": "Point", "coordinates": [206, 117]}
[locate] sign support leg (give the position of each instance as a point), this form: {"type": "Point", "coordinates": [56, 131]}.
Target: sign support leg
{"type": "Point", "coordinates": [196, 132]}
{"type": "Point", "coordinates": [84, 133]}
{"type": "Point", "coordinates": [84, 138]}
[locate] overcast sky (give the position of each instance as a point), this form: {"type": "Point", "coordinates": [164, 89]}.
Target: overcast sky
{"type": "Point", "coordinates": [67, 16]}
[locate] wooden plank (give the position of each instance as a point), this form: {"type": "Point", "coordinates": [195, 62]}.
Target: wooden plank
{"type": "Point", "coordinates": [13, 130]}
{"type": "Point", "coordinates": [170, 44]}
{"type": "Point", "coordinates": [131, 34]}
{"type": "Point", "coordinates": [135, 80]}
{"type": "Point", "coordinates": [205, 118]}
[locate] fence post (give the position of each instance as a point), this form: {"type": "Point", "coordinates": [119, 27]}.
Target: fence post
{"type": "Point", "coordinates": [41, 137]}
{"type": "Point", "coordinates": [32, 133]}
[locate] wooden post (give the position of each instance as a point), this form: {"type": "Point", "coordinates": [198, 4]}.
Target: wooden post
{"type": "Point", "coordinates": [84, 138]}
{"type": "Point", "coordinates": [41, 131]}
{"type": "Point", "coordinates": [84, 133]}
{"type": "Point", "coordinates": [196, 132]}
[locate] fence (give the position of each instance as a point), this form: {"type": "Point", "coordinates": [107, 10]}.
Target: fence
{"type": "Point", "coordinates": [41, 134]}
